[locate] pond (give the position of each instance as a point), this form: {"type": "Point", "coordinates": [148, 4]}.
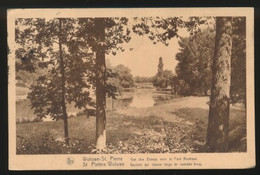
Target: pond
{"type": "Point", "coordinates": [140, 98]}
{"type": "Point", "coordinates": [143, 98]}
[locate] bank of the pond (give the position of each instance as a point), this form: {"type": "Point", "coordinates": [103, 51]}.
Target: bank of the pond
{"type": "Point", "coordinates": [135, 98]}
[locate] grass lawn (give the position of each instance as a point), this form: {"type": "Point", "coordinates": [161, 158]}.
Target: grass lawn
{"type": "Point", "coordinates": [170, 127]}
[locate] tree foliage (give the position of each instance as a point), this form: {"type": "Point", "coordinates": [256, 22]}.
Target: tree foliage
{"type": "Point", "coordinates": [159, 29]}
{"type": "Point", "coordinates": [124, 76]}
{"type": "Point", "coordinates": [47, 44]}
{"type": "Point", "coordinates": [42, 36]}
{"type": "Point", "coordinates": [104, 36]}
{"type": "Point", "coordinates": [143, 79]}
{"type": "Point", "coordinates": [238, 61]}
{"type": "Point", "coordinates": [195, 60]}
{"type": "Point", "coordinates": [163, 78]}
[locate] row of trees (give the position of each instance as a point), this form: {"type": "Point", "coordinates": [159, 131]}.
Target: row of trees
{"type": "Point", "coordinates": [163, 78]}
{"type": "Point", "coordinates": [73, 53]}
{"type": "Point", "coordinates": [143, 79]}
{"type": "Point", "coordinates": [122, 79]}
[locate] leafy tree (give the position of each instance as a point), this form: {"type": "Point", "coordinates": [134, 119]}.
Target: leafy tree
{"type": "Point", "coordinates": [122, 78]}
{"type": "Point", "coordinates": [195, 60]}
{"type": "Point", "coordinates": [50, 46]}
{"type": "Point", "coordinates": [103, 35]}
{"type": "Point", "coordinates": [26, 78]}
{"type": "Point", "coordinates": [160, 66]}
{"type": "Point", "coordinates": [163, 78]}
{"type": "Point", "coordinates": [168, 76]}
{"type": "Point", "coordinates": [175, 85]}
{"type": "Point", "coordinates": [123, 74]}
{"type": "Point", "coordinates": [159, 79]}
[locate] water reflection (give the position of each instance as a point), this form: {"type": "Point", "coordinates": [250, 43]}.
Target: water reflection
{"type": "Point", "coordinates": [162, 98]}
{"type": "Point", "coordinates": [140, 98]}
{"type": "Point", "coordinates": [143, 98]}
{"type": "Point", "coordinates": [122, 103]}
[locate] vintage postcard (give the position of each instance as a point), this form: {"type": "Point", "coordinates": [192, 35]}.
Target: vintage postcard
{"type": "Point", "coordinates": [131, 88]}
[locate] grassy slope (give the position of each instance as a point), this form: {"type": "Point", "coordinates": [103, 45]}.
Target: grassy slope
{"type": "Point", "coordinates": [170, 127]}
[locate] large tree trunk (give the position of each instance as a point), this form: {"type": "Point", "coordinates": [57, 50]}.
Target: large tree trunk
{"type": "Point", "coordinates": [100, 86]}
{"type": "Point", "coordinates": [63, 98]}
{"type": "Point", "coordinates": [218, 125]}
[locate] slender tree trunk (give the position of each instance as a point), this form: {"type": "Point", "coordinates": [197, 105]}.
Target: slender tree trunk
{"type": "Point", "coordinates": [218, 125]}
{"type": "Point", "coordinates": [100, 86]}
{"type": "Point", "coordinates": [172, 89]}
{"type": "Point", "coordinates": [63, 92]}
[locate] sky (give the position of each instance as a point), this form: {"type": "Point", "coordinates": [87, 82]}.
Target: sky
{"type": "Point", "coordinates": [143, 59]}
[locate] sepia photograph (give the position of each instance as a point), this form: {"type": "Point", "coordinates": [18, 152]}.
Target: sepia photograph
{"type": "Point", "coordinates": [101, 85]}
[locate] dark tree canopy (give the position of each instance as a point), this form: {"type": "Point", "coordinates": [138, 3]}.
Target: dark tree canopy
{"type": "Point", "coordinates": [143, 79]}
{"type": "Point", "coordinates": [238, 61]}
{"type": "Point", "coordinates": [195, 61]}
